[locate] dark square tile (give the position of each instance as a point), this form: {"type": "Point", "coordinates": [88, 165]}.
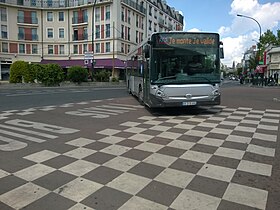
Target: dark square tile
{"type": "Point", "coordinates": [159, 140]}
{"type": "Point", "coordinates": [224, 161]}
{"type": "Point", "coordinates": [265, 131]}
{"type": "Point", "coordinates": [225, 126]}
{"type": "Point", "coordinates": [97, 145]}
{"type": "Point", "coordinates": [124, 134]}
{"type": "Point", "coordinates": [248, 125]}
{"type": "Point", "coordinates": [58, 147]}
{"type": "Point", "coordinates": [99, 157]}
{"type": "Point", "coordinates": [171, 151]}
{"type": "Point", "coordinates": [189, 138]}
{"type": "Point", "coordinates": [167, 124]}
{"type": "Point", "coordinates": [200, 128]}
{"type": "Point", "coordinates": [258, 158]}
{"type": "Point", "coordinates": [137, 154]}
{"type": "Point", "coordinates": [242, 133]}
{"type": "Point", "coordinates": [177, 130]}
{"type": "Point", "coordinates": [106, 199]}
{"type": "Point", "coordinates": [235, 145]}
{"type": "Point", "coordinates": [146, 170]}
{"type": "Point", "coordinates": [204, 148]}
{"type": "Point", "coordinates": [59, 161]}
{"type": "Point", "coordinates": [51, 201]}
{"type": "Point", "coordinates": [144, 126]}
{"type": "Point", "coordinates": [208, 186]}
{"type": "Point", "coordinates": [13, 164]}
{"type": "Point", "coordinates": [129, 143]}
{"type": "Point", "coordinates": [217, 136]}
{"type": "Point", "coordinates": [227, 205]}
{"type": "Point", "coordinates": [160, 193]}
{"type": "Point", "coordinates": [54, 180]}
{"type": "Point", "coordinates": [151, 132]}
{"type": "Point", "coordinates": [102, 174]}
{"type": "Point", "coordinates": [186, 165]}
{"type": "Point", "coordinates": [9, 183]}
{"type": "Point", "coordinates": [263, 143]}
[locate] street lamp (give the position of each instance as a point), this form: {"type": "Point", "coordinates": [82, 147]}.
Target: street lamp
{"type": "Point", "coordinates": [92, 39]}
{"type": "Point", "coordinates": [239, 15]}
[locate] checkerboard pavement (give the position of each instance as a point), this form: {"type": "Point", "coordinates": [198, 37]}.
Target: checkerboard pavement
{"type": "Point", "coordinates": [221, 159]}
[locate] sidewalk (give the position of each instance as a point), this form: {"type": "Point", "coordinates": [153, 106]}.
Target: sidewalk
{"type": "Point", "coordinates": [7, 85]}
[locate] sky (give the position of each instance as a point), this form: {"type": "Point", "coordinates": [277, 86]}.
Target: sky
{"type": "Point", "coordinates": [237, 33]}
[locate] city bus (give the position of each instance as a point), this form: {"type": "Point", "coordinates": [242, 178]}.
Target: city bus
{"type": "Point", "coordinates": [176, 69]}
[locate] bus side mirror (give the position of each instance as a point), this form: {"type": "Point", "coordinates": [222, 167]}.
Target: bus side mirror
{"type": "Point", "coordinates": [147, 51]}
{"type": "Point", "coordinates": [222, 52]}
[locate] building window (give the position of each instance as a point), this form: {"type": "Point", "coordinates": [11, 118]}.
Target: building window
{"type": "Point", "coordinates": [137, 21]}
{"type": "Point", "coordinates": [85, 46]}
{"type": "Point", "coordinates": [122, 14]}
{"type": "Point", "coordinates": [21, 33]}
{"type": "Point", "coordinates": [136, 37]}
{"type": "Point", "coordinates": [34, 49]}
{"type": "Point", "coordinates": [122, 32]}
{"type": "Point", "coordinates": [21, 48]}
{"type": "Point", "coordinates": [3, 14]}
{"type": "Point", "coordinates": [61, 33]}
{"type": "Point", "coordinates": [85, 34]}
{"type": "Point", "coordinates": [108, 31]}
{"type": "Point", "coordinates": [33, 3]}
{"type": "Point", "coordinates": [128, 34]}
{"type": "Point", "coordinates": [61, 49]}
{"type": "Point", "coordinates": [50, 49]}
{"type": "Point", "coordinates": [128, 16]}
{"type": "Point", "coordinates": [34, 34]}
{"type": "Point", "coordinates": [97, 47]}
{"type": "Point", "coordinates": [49, 16]}
{"type": "Point", "coordinates": [75, 17]}
{"type": "Point", "coordinates": [97, 32]}
{"type": "Point", "coordinates": [128, 48]}
{"type": "Point", "coordinates": [4, 33]}
{"type": "Point", "coordinates": [108, 47]}
{"type": "Point", "coordinates": [85, 16]}
{"type": "Point", "coordinates": [20, 17]}
{"type": "Point", "coordinates": [4, 47]}
{"type": "Point", "coordinates": [34, 19]}
{"type": "Point", "coordinates": [155, 14]}
{"type": "Point", "coordinates": [19, 2]}
{"type": "Point", "coordinates": [60, 16]}
{"type": "Point", "coordinates": [108, 13]}
{"type": "Point", "coordinates": [150, 10]}
{"type": "Point", "coordinates": [50, 33]}
{"type": "Point", "coordinates": [75, 49]}
{"type": "Point", "coordinates": [75, 35]}
{"type": "Point", "coordinates": [97, 14]}
{"type": "Point", "coordinates": [122, 48]}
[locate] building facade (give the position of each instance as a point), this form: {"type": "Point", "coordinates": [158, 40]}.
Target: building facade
{"type": "Point", "coordinates": [63, 31]}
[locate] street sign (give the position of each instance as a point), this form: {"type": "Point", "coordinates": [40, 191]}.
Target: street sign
{"type": "Point", "coordinates": [88, 55]}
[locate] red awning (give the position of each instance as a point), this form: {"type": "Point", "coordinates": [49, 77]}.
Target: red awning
{"type": "Point", "coordinates": [261, 69]}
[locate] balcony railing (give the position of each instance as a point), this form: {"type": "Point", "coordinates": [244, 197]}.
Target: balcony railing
{"type": "Point", "coordinates": [135, 6]}
{"type": "Point", "coordinates": [78, 20]}
{"type": "Point", "coordinates": [80, 37]}
{"type": "Point", "coordinates": [27, 20]}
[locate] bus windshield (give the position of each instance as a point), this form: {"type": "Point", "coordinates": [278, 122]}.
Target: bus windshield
{"type": "Point", "coordinates": [185, 59]}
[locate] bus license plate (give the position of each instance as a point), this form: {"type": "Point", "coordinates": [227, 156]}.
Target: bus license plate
{"type": "Point", "coordinates": [189, 103]}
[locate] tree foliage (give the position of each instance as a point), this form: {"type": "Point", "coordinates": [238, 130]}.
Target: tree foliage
{"type": "Point", "coordinates": [17, 71]}
{"type": "Point", "coordinates": [77, 74]}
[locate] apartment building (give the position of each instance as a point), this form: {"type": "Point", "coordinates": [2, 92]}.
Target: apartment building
{"type": "Point", "coordinates": [63, 31]}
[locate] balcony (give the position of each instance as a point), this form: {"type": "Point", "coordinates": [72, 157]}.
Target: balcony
{"type": "Point", "coordinates": [79, 20]}
{"type": "Point", "coordinates": [138, 7]}
{"type": "Point", "coordinates": [81, 37]}
{"type": "Point", "coordinates": [27, 20]}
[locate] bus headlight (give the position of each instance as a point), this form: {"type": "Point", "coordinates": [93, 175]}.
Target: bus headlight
{"type": "Point", "coordinates": [160, 93]}
{"type": "Point", "coordinates": [215, 93]}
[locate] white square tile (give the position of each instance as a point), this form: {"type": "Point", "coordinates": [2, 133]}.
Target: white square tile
{"type": "Point", "coordinates": [196, 133]}
{"type": "Point", "coordinates": [270, 120]}
{"type": "Point", "coordinates": [147, 118]}
{"type": "Point", "coordinates": [129, 183]}
{"type": "Point", "coordinates": [115, 149]}
{"type": "Point", "coordinates": [141, 137]}
{"type": "Point", "coordinates": [221, 131]}
{"type": "Point", "coordinates": [196, 156]}
{"type": "Point", "coordinates": [3, 173]}
{"type": "Point", "coordinates": [80, 153]}
{"type": "Point", "coordinates": [181, 144]}
{"type": "Point", "coordinates": [78, 189]}
{"type": "Point", "coordinates": [169, 135]}
{"type": "Point", "coordinates": [121, 163]}
{"type": "Point", "coordinates": [217, 172]}
{"type": "Point", "coordinates": [249, 196]}
{"type": "Point", "coordinates": [23, 195]}
{"type": "Point", "coordinates": [141, 204]}
{"type": "Point", "coordinates": [41, 156]}
{"type": "Point", "coordinates": [255, 168]}
{"type": "Point", "coordinates": [231, 153]}
{"type": "Point", "coordinates": [265, 137]}
{"type": "Point", "coordinates": [111, 139]}
{"type": "Point", "coordinates": [175, 177]}
{"type": "Point", "coordinates": [109, 132]}
{"type": "Point", "coordinates": [191, 200]}
{"type": "Point", "coordinates": [261, 150]}
{"type": "Point", "coordinates": [79, 167]}
{"type": "Point", "coordinates": [195, 119]}
{"type": "Point", "coordinates": [252, 122]}
{"type": "Point", "coordinates": [175, 121]}
{"type": "Point", "coordinates": [153, 122]}
{"type": "Point", "coordinates": [245, 129]}
{"type": "Point", "coordinates": [34, 172]}
{"type": "Point", "coordinates": [233, 117]}
{"type": "Point", "coordinates": [80, 142]}
{"type": "Point", "coordinates": [80, 206]}
{"type": "Point", "coordinates": [230, 123]}
{"type": "Point", "coordinates": [160, 160]}
{"type": "Point", "coordinates": [160, 128]}
{"type": "Point", "coordinates": [135, 130]}
{"type": "Point", "coordinates": [184, 126]}
{"type": "Point", "coordinates": [208, 125]}
{"type": "Point", "coordinates": [149, 147]}
{"type": "Point", "coordinates": [239, 139]}
{"type": "Point", "coordinates": [130, 124]}
{"type": "Point", "coordinates": [257, 116]}
{"type": "Point", "coordinates": [211, 141]}
{"type": "Point", "coordinates": [268, 127]}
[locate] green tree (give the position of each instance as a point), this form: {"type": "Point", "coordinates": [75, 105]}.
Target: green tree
{"type": "Point", "coordinates": [77, 74]}
{"type": "Point", "coordinates": [17, 71]}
